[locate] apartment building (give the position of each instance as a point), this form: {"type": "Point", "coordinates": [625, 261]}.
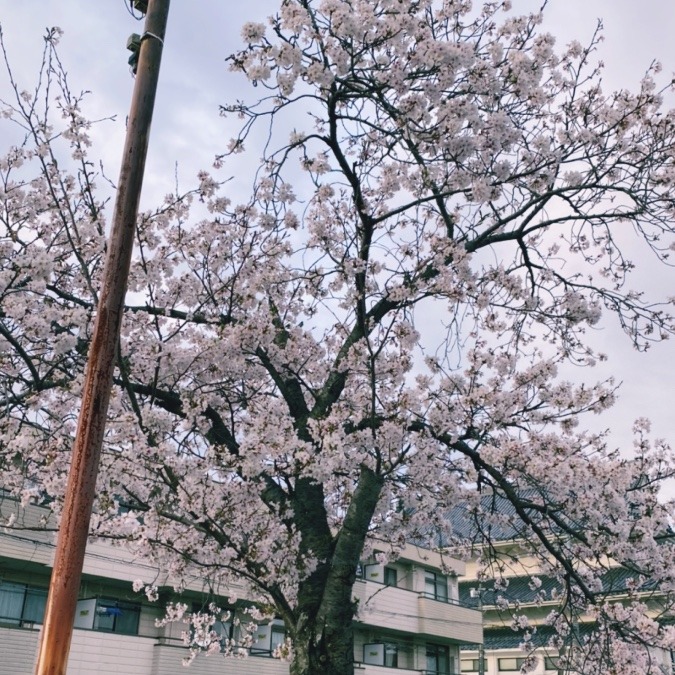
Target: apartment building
{"type": "Point", "coordinates": [410, 620]}
{"type": "Point", "coordinates": [502, 653]}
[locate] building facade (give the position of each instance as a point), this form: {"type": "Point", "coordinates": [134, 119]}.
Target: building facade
{"type": "Point", "coordinates": [410, 618]}
{"type": "Point", "coordinates": [502, 651]}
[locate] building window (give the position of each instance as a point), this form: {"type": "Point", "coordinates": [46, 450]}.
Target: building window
{"type": "Point", "coordinates": [435, 586]}
{"type": "Point", "coordinates": [439, 661]}
{"type": "Point", "coordinates": [116, 616]}
{"type": "Point", "coordinates": [551, 663]}
{"type": "Point", "coordinates": [20, 604]}
{"type": "Point", "coordinates": [391, 655]}
{"type": "Point", "coordinates": [278, 637]}
{"type": "Point", "coordinates": [268, 637]}
{"type": "Point", "coordinates": [472, 665]}
{"type": "Point", "coordinates": [390, 576]}
{"type": "Point", "coordinates": [510, 665]}
{"type": "Point", "coordinates": [381, 654]}
{"type": "Point", "coordinates": [109, 615]}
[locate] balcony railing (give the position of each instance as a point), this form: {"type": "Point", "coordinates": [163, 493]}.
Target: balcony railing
{"type": "Point", "coordinates": [415, 612]}
{"type": "Point", "coordinates": [423, 594]}
{"type": "Point", "coordinates": [448, 601]}
{"type": "Point", "coordinates": [372, 669]}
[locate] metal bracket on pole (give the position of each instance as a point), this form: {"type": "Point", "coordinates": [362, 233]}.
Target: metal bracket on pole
{"type": "Point", "coordinates": [134, 46]}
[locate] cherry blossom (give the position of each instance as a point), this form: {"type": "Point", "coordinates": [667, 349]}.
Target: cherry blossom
{"type": "Point", "coordinates": [372, 339]}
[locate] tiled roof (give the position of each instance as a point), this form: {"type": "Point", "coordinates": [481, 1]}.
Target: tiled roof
{"type": "Point", "coordinates": [507, 638]}
{"type": "Point", "coordinates": [523, 590]}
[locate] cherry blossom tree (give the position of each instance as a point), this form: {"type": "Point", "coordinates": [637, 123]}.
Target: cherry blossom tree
{"type": "Point", "coordinates": [371, 340]}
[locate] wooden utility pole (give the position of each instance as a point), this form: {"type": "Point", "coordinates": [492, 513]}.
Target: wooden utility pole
{"type": "Point", "coordinates": [57, 630]}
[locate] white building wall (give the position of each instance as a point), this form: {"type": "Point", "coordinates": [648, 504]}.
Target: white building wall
{"type": "Point", "coordinates": [109, 654]}
{"type": "Point", "coordinates": [18, 651]}
{"type": "Point", "coordinates": [386, 606]}
{"type": "Point", "coordinates": [449, 621]}
{"type": "Point", "coordinates": [94, 652]}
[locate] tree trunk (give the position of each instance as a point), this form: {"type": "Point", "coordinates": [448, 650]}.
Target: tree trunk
{"type": "Point", "coordinates": [324, 645]}
{"type": "Point", "coordinates": [320, 654]}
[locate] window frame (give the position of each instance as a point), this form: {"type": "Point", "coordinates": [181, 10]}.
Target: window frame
{"type": "Point", "coordinates": [390, 576]}
{"type": "Point", "coordinates": [277, 631]}
{"type": "Point", "coordinates": [475, 665]}
{"type": "Point", "coordinates": [436, 650]}
{"type": "Point", "coordinates": [551, 663]}
{"type": "Point", "coordinates": [121, 606]}
{"type": "Point", "coordinates": [390, 654]}
{"type": "Point", "coordinates": [433, 581]}
{"type": "Point", "coordinates": [265, 648]}
{"type": "Point", "coordinates": [520, 660]}
{"type": "Point", "coordinates": [391, 651]}
{"type": "Point", "coordinates": [25, 590]}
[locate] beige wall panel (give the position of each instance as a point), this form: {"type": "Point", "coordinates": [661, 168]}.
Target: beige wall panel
{"type": "Point", "coordinates": [18, 649]}
{"type": "Point", "coordinates": [454, 622]}
{"type": "Point", "coordinates": [386, 607]}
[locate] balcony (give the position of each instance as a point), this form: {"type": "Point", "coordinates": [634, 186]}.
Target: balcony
{"type": "Point", "coordinates": [404, 611]}
{"type": "Point", "coordinates": [449, 620]}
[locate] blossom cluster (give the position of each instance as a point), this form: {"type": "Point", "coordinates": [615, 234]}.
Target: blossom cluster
{"type": "Point", "coordinates": [374, 336]}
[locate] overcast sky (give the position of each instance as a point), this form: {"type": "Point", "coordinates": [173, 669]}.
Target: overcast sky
{"type": "Point", "coordinates": [194, 80]}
